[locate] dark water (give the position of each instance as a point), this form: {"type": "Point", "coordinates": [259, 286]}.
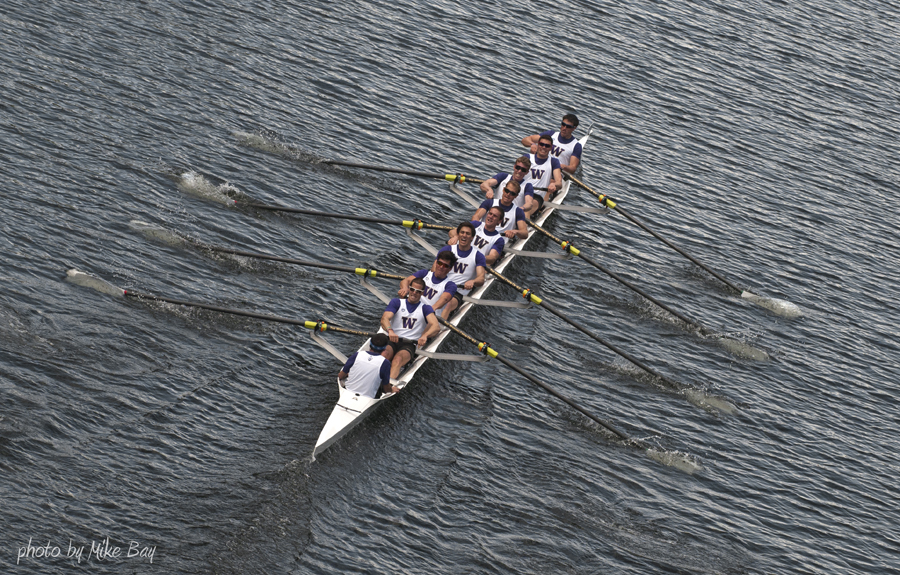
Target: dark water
{"type": "Point", "coordinates": [762, 137]}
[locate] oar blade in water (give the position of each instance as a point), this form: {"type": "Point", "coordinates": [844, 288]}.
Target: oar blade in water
{"type": "Point", "coordinates": [777, 306]}
{"type": "Point", "coordinates": [89, 281]}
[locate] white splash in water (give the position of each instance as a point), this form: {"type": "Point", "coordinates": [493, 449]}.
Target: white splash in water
{"type": "Point", "coordinates": [678, 460]}
{"type": "Point", "coordinates": [88, 281]}
{"type": "Point", "coordinates": [157, 233]}
{"type": "Point", "coordinates": [704, 400]}
{"type": "Point", "coordinates": [742, 349]}
{"type": "Point", "coordinates": [197, 185]}
{"type": "Point", "coordinates": [777, 306]}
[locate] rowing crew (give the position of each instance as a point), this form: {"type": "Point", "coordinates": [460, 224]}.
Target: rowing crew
{"type": "Point", "coordinates": [410, 319]}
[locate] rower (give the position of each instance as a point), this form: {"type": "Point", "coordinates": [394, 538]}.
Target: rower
{"type": "Point", "coordinates": [545, 171]}
{"type": "Point", "coordinates": [512, 225]}
{"type": "Point", "coordinates": [525, 199]}
{"type": "Point", "coordinates": [487, 240]}
{"type": "Point", "coordinates": [566, 148]}
{"type": "Point", "coordinates": [468, 271]}
{"type": "Point", "coordinates": [439, 289]}
{"type": "Point", "coordinates": [408, 323]}
{"type": "Point", "coordinates": [369, 373]}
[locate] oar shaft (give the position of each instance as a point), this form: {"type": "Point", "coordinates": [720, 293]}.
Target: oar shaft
{"type": "Point", "coordinates": [448, 177]}
{"type": "Point", "coordinates": [358, 271]}
{"type": "Point", "coordinates": [538, 301]}
{"type": "Point", "coordinates": [533, 379]}
{"type": "Point", "coordinates": [640, 224]}
{"type": "Point", "coordinates": [239, 312]}
{"type": "Point", "coordinates": [417, 224]}
{"type": "Point", "coordinates": [604, 200]}
{"type": "Point", "coordinates": [619, 278]}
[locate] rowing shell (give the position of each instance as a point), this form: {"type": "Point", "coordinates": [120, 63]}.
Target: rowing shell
{"type": "Point", "coordinates": [352, 407]}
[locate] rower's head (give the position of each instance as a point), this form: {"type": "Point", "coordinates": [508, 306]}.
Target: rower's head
{"type": "Point", "coordinates": [510, 191]}
{"type": "Point", "coordinates": [416, 289]}
{"type": "Point", "coordinates": [492, 218]}
{"type": "Point", "coordinates": [520, 170]}
{"type": "Point", "coordinates": [443, 264]}
{"type": "Point", "coordinates": [465, 232]}
{"type": "Point", "coordinates": [379, 342]}
{"type": "Point", "coordinates": [568, 125]}
{"type": "Point", "coordinates": [544, 145]}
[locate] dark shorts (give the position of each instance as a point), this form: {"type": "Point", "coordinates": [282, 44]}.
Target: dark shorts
{"type": "Point", "coordinates": [459, 299]}
{"type": "Point", "coordinates": [406, 344]}
{"type": "Point", "coordinates": [540, 201]}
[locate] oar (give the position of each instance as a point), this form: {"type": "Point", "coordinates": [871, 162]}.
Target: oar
{"type": "Point", "coordinates": [365, 272]}
{"type": "Point", "coordinates": [533, 298]}
{"type": "Point", "coordinates": [448, 177]}
{"type": "Point", "coordinates": [779, 306]}
{"type": "Point", "coordinates": [568, 247]}
{"type": "Point", "coordinates": [487, 350]}
{"type": "Point", "coordinates": [412, 224]}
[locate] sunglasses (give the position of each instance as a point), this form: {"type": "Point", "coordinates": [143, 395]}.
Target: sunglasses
{"type": "Point", "coordinates": [510, 192]}
{"type": "Point", "coordinates": [569, 126]}
{"type": "Point", "coordinates": [543, 145]}
{"type": "Point", "coordinates": [416, 290]}
{"type": "Point", "coordinates": [443, 264]}
{"type": "Point", "coordinates": [521, 169]}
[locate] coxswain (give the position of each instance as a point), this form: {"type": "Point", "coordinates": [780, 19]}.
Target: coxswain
{"type": "Point", "coordinates": [439, 288]}
{"type": "Point", "coordinates": [566, 148]}
{"type": "Point", "coordinates": [409, 323]}
{"type": "Point", "coordinates": [468, 271]}
{"type": "Point", "coordinates": [525, 199]}
{"type": "Point", "coordinates": [512, 224]}
{"type": "Point", "coordinates": [369, 373]}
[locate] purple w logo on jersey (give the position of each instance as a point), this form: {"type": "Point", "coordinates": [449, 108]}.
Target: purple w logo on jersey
{"type": "Point", "coordinates": [536, 174]}
{"type": "Point", "coordinates": [556, 151]}
{"type": "Point", "coordinates": [429, 293]}
{"type": "Point", "coordinates": [480, 242]}
{"type": "Point", "coordinates": [460, 267]}
{"type": "Point", "coordinates": [409, 322]}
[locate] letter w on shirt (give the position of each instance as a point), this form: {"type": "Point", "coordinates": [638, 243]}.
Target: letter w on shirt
{"type": "Point", "coordinates": [460, 268]}
{"type": "Point", "coordinates": [536, 174]}
{"type": "Point", "coordinates": [408, 322]}
{"type": "Point", "coordinates": [480, 242]}
{"type": "Point", "coordinates": [429, 293]}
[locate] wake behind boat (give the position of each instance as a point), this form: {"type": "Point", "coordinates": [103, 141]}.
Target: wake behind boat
{"type": "Point", "coordinates": [352, 408]}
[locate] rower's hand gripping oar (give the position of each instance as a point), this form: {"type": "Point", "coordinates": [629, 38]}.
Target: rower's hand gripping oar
{"type": "Point", "coordinates": [778, 306]}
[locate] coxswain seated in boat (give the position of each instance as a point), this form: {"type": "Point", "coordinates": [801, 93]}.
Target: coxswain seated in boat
{"type": "Point", "coordinates": [439, 289]}
{"type": "Point", "coordinates": [525, 199]}
{"type": "Point", "coordinates": [369, 373]}
{"type": "Point", "coordinates": [512, 225]}
{"type": "Point", "coordinates": [566, 147]}
{"type": "Point", "coordinates": [545, 172]}
{"type": "Point", "coordinates": [408, 323]}
{"type": "Point", "coordinates": [468, 271]}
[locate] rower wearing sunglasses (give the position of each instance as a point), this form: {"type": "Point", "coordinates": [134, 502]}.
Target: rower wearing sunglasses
{"type": "Point", "coordinates": [408, 323]}
{"type": "Point", "coordinates": [525, 199]}
{"type": "Point", "coordinates": [566, 147]}
{"type": "Point", "coordinates": [513, 223]}
{"type": "Point", "coordinates": [545, 173]}
{"type": "Point", "coordinates": [439, 288]}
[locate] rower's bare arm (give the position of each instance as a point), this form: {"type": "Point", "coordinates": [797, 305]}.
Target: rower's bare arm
{"type": "Point", "coordinates": [404, 286]}
{"type": "Point", "coordinates": [432, 330]}
{"type": "Point", "coordinates": [442, 301]}
{"type": "Point", "coordinates": [488, 186]}
{"type": "Point", "coordinates": [522, 230]}
{"type": "Point", "coordinates": [479, 215]}
{"type": "Point", "coordinates": [573, 165]}
{"type": "Point", "coordinates": [386, 318]}
{"type": "Point", "coordinates": [557, 180]}
{"type": "Point", "coordinates": [453, 239]}
{"type": "Point", "coordinates": [529, 141]}
{"type": "Point", "coordinates": [529, 200]}
{"type": "Point", "coordinates": [479, 277]}
{"type": "Point", "coordinates": [492, 257]}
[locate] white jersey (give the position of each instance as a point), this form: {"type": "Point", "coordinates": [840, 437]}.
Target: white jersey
{"type": "Point", "coordinates": [434, 288]}
{"type": "Point", "coordinates": [485, 241]}
{"type": "Point", "coordinates": [464, 269]}
{"type": "Point", "coordinates": [511, 215]}
{"type": "Point", "coordinates": [409, 325]}
{"type": "Point", "coordinates": [366, 373]}
{"type": "Point", "coordinates": [563, 152]}
{"type": "Point", "coordinates": [540, 175]}
{"type": "Point", "coordinates": [518, 201]}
